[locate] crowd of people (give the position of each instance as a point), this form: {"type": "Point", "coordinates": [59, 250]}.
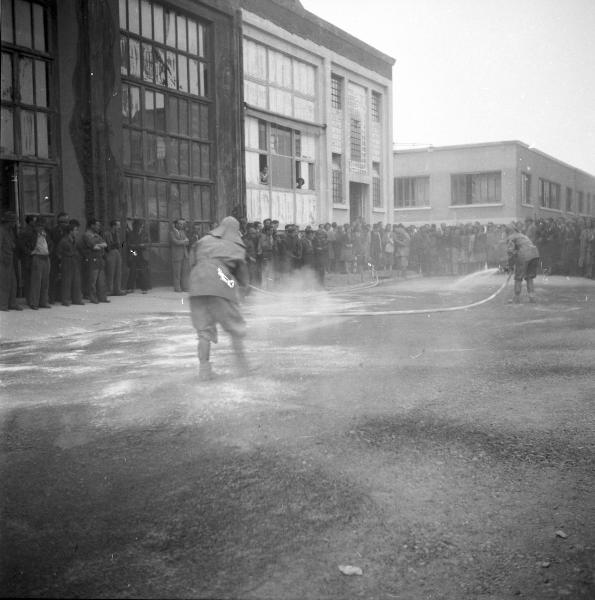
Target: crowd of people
{"type": "Point", "coordinates": [566, 247]}
{"type": "Point", "coordinates": [62, 264]}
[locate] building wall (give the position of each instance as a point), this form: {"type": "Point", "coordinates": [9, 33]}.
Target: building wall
{"type": "Point", "coordinates": [323, 130]}
{"type": "Point", "coordinates": [509, 159]}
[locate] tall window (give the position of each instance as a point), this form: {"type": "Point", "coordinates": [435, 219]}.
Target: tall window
{"type": "Point", "coordinates": [337, 171]}
{"type": "Point", "coordinates": [355, 140]}
{"type": "Point", "coordinates": [375, 107]}
{"type": "Point", "coordinates": [279, 156]}
{"type": "Point", "coordinates": [549, 194]}
{"type": "Point", "coordinates": [569, 203]}
{"type": "Point", "coordinates": [412, 192]}
{"type": "Point", "coordinates": [336, 92]}
{"type": "Point", "coordinates": [525, 188]}
{"type": "Point", "coordinates": [278, 82]}
{"type": "Point", "coordinates": [580, 208]}
{"type": "Point", "coordinates": [166, 103]}
{"type": "Point", "coordinates": [27, 116]}
{"type": "Point", "coordinates": [476, 188]}
{"type": "Point", "coordinates": [376, 187]}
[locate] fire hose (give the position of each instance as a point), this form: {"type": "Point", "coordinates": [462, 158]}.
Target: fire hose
{"type": "Point", "coordinates": [414, 311]}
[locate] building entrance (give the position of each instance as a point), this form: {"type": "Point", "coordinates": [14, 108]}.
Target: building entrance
{"type": "Point", "coordinates": [358, 197]}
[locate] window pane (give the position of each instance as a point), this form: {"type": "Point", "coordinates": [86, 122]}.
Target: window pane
{"type": "Point", "coordinates": [174, 202]}
{"type": "Point", "coordinates": [160, 152]}
{"type": "Point", "coordinates": [135, 105]}
{"type": "Point", "coordinates": [172, 114]}
{"type": "Point", "coordinates": [151, 191]}
{"type": "Point", "coordinates": [125, 104]}
{"type": "Point", "coordinates": [205, 161]}
{"type": "Point", "coordinates": [6, 76]}
{"type": "Point", "coordinates": [148, 67]}
{"type": "Point", "coordinates": [28, 133]}
{"type": "Point", "coordinates": [28, 190]}
{"type": "Point", "coordinates": [44, 181]}
{"type": "Point", "coordinates": [162, 199]}
{"type": "Point", "coordinates": [182, 39]}
{"type": "Point", "coordinates": [193, 72]}
{"type": "Point", "coordinates": [147, 24]}
{"type": "Point", "coordinates": [184, 158]}
{"type": "Point", "coordinates": [42, 135]}
{"type": "Point", "coordinates": [7, 32]}
{"type": "Point", "coordinates": [281, 172]}
{"type": "Point", "coordinates": [195, 159]}
{"type": "Point", "coordinates": [192, 37]}
{"type": "Point", "coordinates": [183, 109]}
{"type": "Point", "coordinates": [194, 120]}
{"type": "Point", "coordinates": [39, 28]}
{"type": "Point", "coordinates": [124, 55]}
{"type": "Point", "coordinates": [122, 14]}
{"type": "Point", "coordinates": [203, 81]}
{"type": "Point", "coordinates": [134, 55]}
{"type": "Point", "coordinates": [182, 73]}
{"type": "Point", "coordinates": [184, 201]}
{"type": "Point", "coordinates": [150, 152]}
{"type": "Point", "coordinates": [41, 92]}
{"type": "Point", "coordinates": [22, 17]}
{"type": "Point", "coordinates": [204, 121]}
{"type": "Point", "coordinates": [135, 150]}
{"type": "Point", "coordinates": [172, 73]}
{"type": "Point", "coordinates": [137, 198]}
{"type": "Point", "coordinates": [26, 80]}
{"type": "Point", "coordinates": [170, 29]}
{"type": "Point", "coordinates": [126, 148]}
{"type": "Point", "coordinates": [160, 66]}
{"type": "Point", "coordinates": [172, 156]}
{"type": "Point", "coordinates": [6, 131]}
{"type": "Point", "coordinates": [159, 112]}
{"type": "Point", "coordinates": [149, 122]}
{"type": "Point", "coordinates": [133, 16]}
{"type": "Point", "coordinates": [201, 40]}
{"type": "Point", "coordinates": [158, 23]}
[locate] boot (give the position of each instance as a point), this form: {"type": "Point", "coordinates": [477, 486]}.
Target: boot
{"type": "Point", "coordinates": [205, 371]}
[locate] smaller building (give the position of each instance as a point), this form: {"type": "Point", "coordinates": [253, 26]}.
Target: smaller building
{"type": "Point", "coordinates": [497, 182]}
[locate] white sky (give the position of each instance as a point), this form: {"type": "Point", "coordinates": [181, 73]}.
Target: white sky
{"type": "Point", "coordinates": [472, 71]}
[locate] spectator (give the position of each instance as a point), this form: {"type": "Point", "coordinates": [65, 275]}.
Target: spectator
{"type": "Point", "coordinates": [179, 244]}
{"type": "Point", "coordinates": [39, 247]}
{"type": "Point", "coordinates": [136, 243]}
{"type": "Point", "coordinates": [94, 248]}
{"type": "Point", "coordinates": [113, 260]}
{"type": "Point", "coordinates": [70, 266]}
{"type": "Point", "coordinates": [8, 278]}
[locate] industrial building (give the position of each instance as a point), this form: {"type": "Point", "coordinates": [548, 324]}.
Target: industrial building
{"type": "Point", "coordinates": [143, 109]}
{"type": "Point", "coordinates": [497, 182]}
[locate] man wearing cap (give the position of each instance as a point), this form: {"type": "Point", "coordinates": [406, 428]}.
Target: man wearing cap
{"type": "Point", "coordinates": [218, 269]}
{"type": "Point", "coordinates": [523, 256]}
{"type": "Point", "coordinates": [8, 278]}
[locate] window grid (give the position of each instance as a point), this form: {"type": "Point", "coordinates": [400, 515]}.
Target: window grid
{"type": "Point", "coordinates": [376, 188]}
{"type": "Point", "coordinates": [525, 188]}
{"type": "Point", "coordinates": [337, 179]}
{"type": "Point", "coordinates": [476, 188]}
{"type": "Point", "coordinates": [412, 192]}
{"type": "Point", "coordinates": [580, 208]}
{"type": "Point", "coordinates": [355, 140]}
{"type": "Point", "coordinates": [569, 200]}
{"type": "Point", "coordinates": [375, 107]}
{"type": "Point", "coordinates": [336, 92]}
{"type": "Point", "coordinates": [167, 137]}
{"type": "Point", "coordinates": [549, 194]}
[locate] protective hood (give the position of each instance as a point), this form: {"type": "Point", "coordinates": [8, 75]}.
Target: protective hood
{"type": "Point", "coordinates": [228, 230]}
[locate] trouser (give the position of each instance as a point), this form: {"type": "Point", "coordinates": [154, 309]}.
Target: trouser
{"type": "Point", "coordinates": [8, 286]}
{"type": "Point", "coordinates": [71, 281]}
{"type": "Point", "coordinates": [96, 280]}
{"type": "Point", "coordinates": [40, 281]}
{"type": "Point", "coordinates": [55, 285]}
{"type": "Point", "coordinates": [113, 272]}
{"type": "Point", "coordinates": [179, 269]}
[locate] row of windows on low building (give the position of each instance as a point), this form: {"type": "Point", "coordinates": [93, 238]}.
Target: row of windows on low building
{"type": "Point", "coordinates": [486, 188]}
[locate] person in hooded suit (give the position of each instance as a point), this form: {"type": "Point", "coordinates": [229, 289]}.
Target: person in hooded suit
{"type": "Point", "coordinates": [218, 271]}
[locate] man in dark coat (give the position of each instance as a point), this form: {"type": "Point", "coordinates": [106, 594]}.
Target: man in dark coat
{"type": "Point", "coordinates": [218, 269]}
{"type": "Point", "coordinates": [8, 279]}
{"type": "Point", "coordinates": [523, 257]}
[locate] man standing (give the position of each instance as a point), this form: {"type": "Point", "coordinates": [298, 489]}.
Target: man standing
{"type": "Point", "coordinates": [38, 248]}
{"type": "Point", "coordinates": [113, 260]}
{"type": "Point", "coordinates": [402, 245]}
{"type": "Point", "coordinates": [179, 243]}
{"type": "Point", "coordinates": [70, 261]}
{"type": "Point", "coordinates": [523, 256]}
{"type": "Point", "coordinates": [219, 268]}
{"type": "Point", "coordinates": [56, 233]}
{"type": "Point", "coordinates": [94, 248]}
{"type": "Point", "coordinates": [8, 278]}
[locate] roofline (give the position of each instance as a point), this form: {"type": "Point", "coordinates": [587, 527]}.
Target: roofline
{"type": "Point", "coordinates": [432, 148]}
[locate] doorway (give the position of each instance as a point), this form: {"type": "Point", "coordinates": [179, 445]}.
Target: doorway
{"type": "Point", "coordinates": [8, 186]}
{"type": "Point", "coordinates": [357, 201]}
